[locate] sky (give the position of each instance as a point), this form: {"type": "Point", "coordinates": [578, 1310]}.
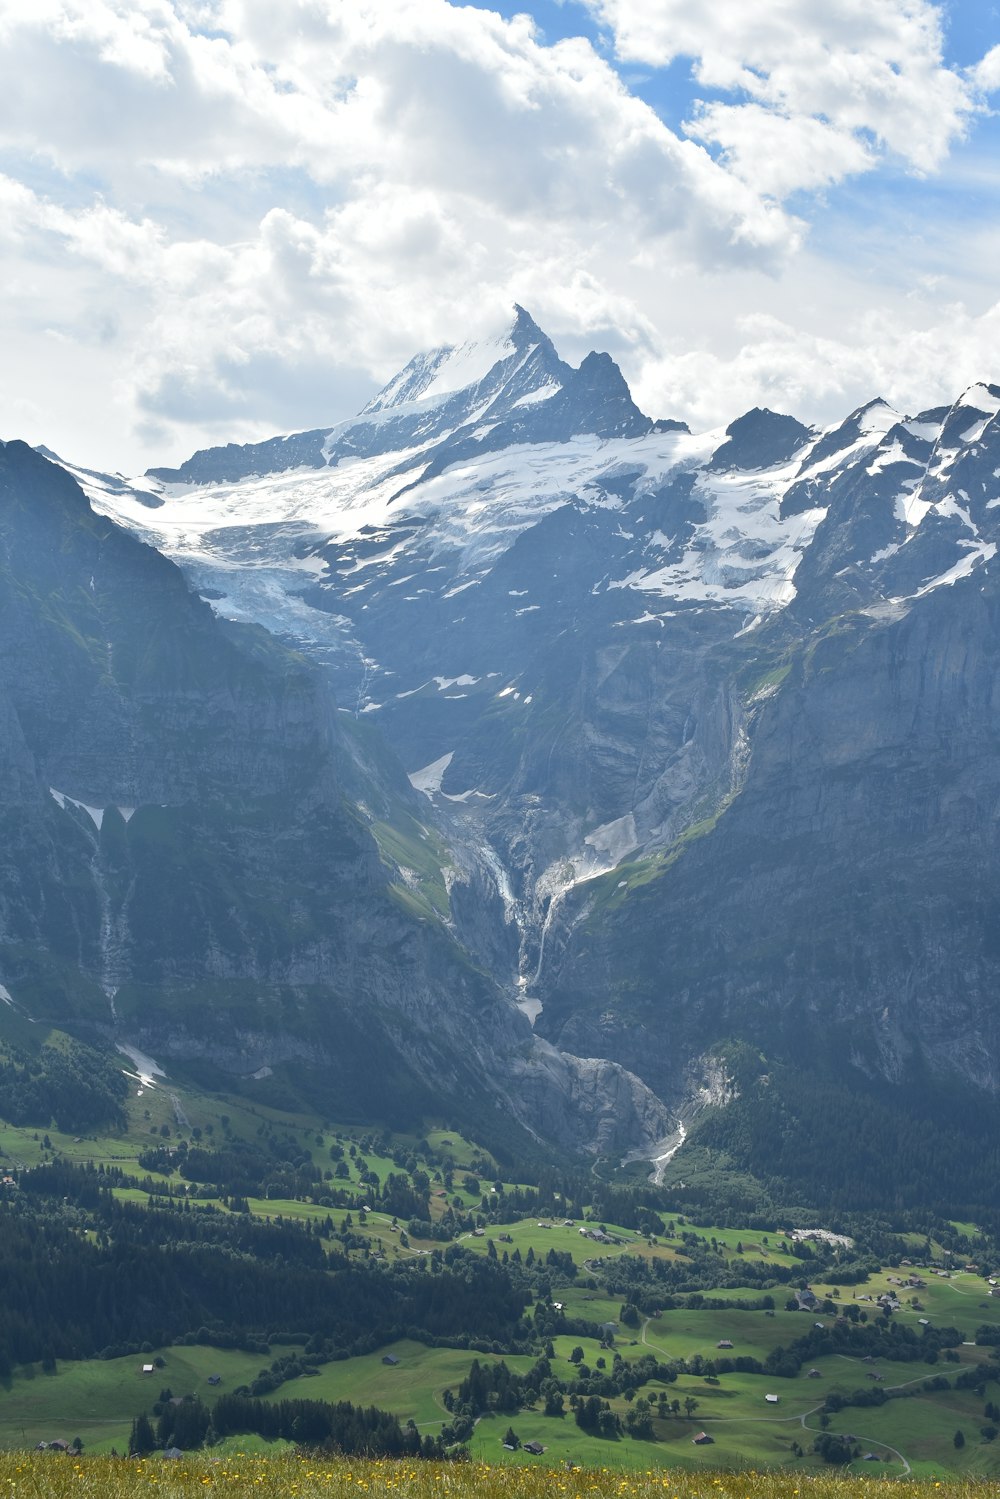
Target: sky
{"type": "Point", "coordinates": [222, 219]}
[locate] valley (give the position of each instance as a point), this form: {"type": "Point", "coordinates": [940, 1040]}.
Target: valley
{"type": "Point", "coordinates": [684, 1327]}
{"type": "Point", "coordinates": [481, 885]}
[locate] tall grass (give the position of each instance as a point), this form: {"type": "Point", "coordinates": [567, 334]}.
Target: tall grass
{"type": "Point", "coordinates": [56, 1476]}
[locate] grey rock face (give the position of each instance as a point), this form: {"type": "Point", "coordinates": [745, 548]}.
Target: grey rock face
{"type": "Point", "coordinates": [181, 869]}
{"type": "Point", "coordinates": [708, 729]}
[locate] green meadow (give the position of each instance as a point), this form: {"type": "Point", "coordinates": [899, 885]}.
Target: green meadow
{"type": "Point", "coordinates": [97, 1400]}
{"type": "Point", "coordinates": [241, 1471]}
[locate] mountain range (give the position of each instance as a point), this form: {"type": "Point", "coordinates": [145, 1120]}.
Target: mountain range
{"type": "Point", "coordinates": [514, 749]}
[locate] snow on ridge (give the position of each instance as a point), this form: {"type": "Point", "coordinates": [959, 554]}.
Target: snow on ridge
{"type": "Point", "coordinates": [911, 508]}
{"type": "Point", "coordinates": [429, 778]}
{"type": "Point", "coordinates": [470, 363]}
{"type": "Point", "coordinates": [146, 1069]}
{"type": "Point", "coordinates": [407, 384]}
{"type": "Point", "coordinates": [978, 551]}
{"type": "Point", "coordinates": [894, 453]}
{"type": "Point", "coordinates": [875, 419]}
{"type": "Point", "coordinates": [95, 813]}
{"type": "Point", "coordinates": [429, 379]}
{"type": "Point", "coordinates": [743, 553]}
{"type": "Point", "coordinates": [980, 397]}
{"type": "Point", "coordinates": [923, 431]}
{"type": "Point", "coordinates": [543, 393]}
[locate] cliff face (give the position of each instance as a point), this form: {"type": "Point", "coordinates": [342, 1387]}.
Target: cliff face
{"type": "Point", "coordinates": [183, 869]}
{"type": "Point", "coordinates": [700, 731]}
{"type": "Point", "coordinates": [845, 904]}
{"type": "Point", "coordinates": [126, 688]}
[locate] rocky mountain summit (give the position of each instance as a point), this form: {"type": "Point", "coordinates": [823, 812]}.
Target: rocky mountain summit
{"type": "Point", "coordinates": [701, 727]}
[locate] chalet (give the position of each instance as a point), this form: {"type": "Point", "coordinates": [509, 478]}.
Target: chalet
{"type": "Point", "coordinates": [390, 1359]}
{"type": "Point", "coordinates": [173, 1453]}
{"type": "Point", "coordinates": [535, 1448]}
{"type": "Point", "coordinates": [814, 1374]}
{"type": "Point", "coordinates": [724, 1343]}
{"type": "Point", "coordinates": [703, 1439]}
{"type": "Point", "coordinates": [59, 1445]}
{"type": "Point", "coordinates": [771, 1399]}
{"type": "Point", "coordinates": [215, 1379]}
{"type": "Point", "coordinates": [147, 1368]}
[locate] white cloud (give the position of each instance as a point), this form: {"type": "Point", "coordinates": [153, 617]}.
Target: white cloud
{"type": "Point", "coordinates": [986, 73]}
{"type": "Point", "coordinates": [822, 376]}
{"type": "Point", "coordinates": [332, 179]}
{"type": "Point", "coordinates": [867, 73]}
{"type": "Point", "coordinates": [231, 217]}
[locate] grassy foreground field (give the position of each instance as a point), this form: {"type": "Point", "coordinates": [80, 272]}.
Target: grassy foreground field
{"type": "Point", "coordinates": [241, 1475]}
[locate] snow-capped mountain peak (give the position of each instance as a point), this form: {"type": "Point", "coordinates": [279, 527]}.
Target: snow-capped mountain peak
{"type": "Point", "coordinates": [442, 373]}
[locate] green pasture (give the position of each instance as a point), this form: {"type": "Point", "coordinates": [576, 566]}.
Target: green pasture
{"type": "Point", "coordinates": [589, 1305]}
{"type": "Point", "coordinates": [922, 1429]}
{"type": "Point", "coordinates": [528, 1234]}
{"type": "Point", "coordinates": [682, 1332]}
{"type": "Point", "coordinates": [564, 1443]}
{"type": "Point", "coordinates": [962, 1301]}
{"type": "Point", "coordinates": [753, 1244]}
{"type": "Point", "coordinates": [97, 1399]}
{"type": "Point", "coordinates": [410, 1389]}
